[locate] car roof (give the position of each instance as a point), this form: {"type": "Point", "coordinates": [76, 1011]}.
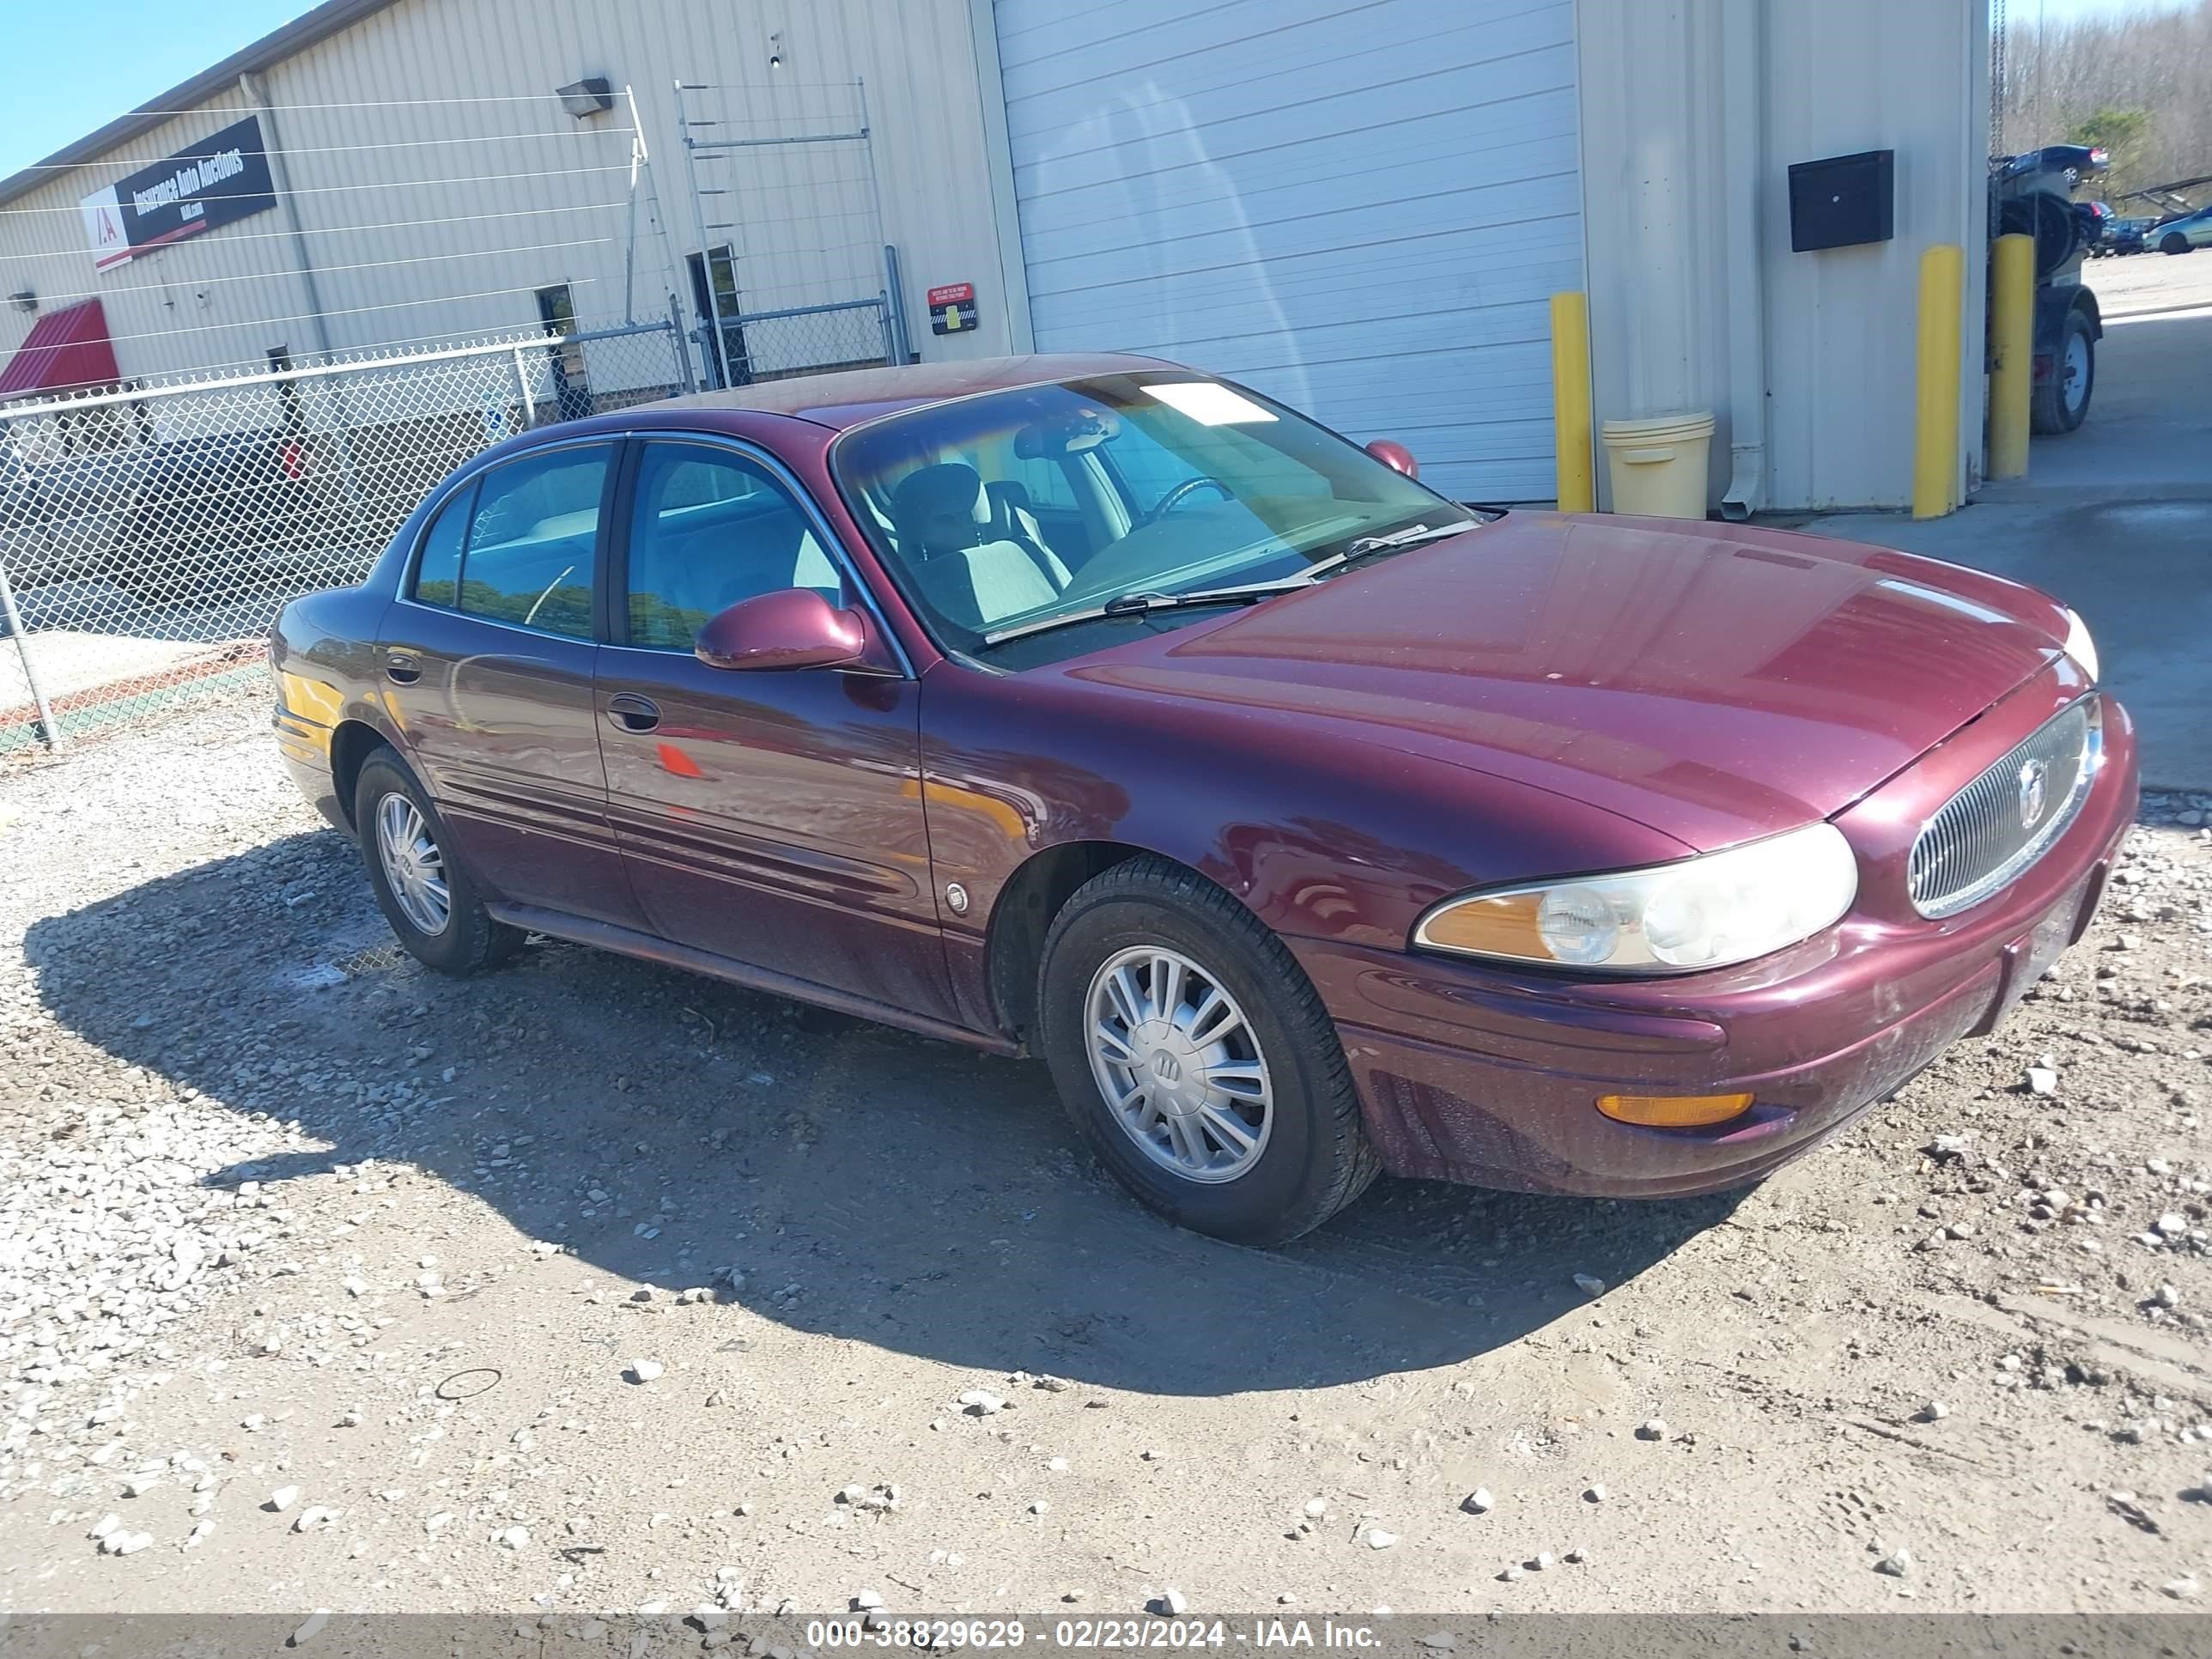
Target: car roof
{"type": "Point", "coordinates": [845, 399]}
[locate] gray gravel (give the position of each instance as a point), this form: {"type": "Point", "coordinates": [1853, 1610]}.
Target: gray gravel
{"type": "Point", "coordinates": [586, 1285]}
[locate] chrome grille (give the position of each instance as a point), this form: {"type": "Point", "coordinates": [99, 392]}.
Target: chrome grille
{"type": "Point", "coordinates": [2002, 822]}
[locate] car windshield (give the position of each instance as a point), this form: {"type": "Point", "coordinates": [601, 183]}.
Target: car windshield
{"type": "Point", "coordinates": [1003, 515]}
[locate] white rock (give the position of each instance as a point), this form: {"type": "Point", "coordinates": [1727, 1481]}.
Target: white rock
{"type": "Point", "coordinates": [284, 1498]}
{"type": "Point", "coordinates": [981, 1402]}
{"type": "Point", "coordinates": [1594, 1495]}
{"type": "Point", "coordinates": [1651, 1428]}
{"type": "Point", "coordinates": [512, 1538]}
{"type": "Point", "coordinates": [1379, 1540]}
{"type": "Point", "coordinates": [314, 1518]}
{"type": "Point", "coordinates": [1589, 1284]}
{"type": "Point", "coordinates": [312, 1628]}
{"type": "Point", "coordinates": [1479, 1502]}
{"type": "Point", "coordinates": [2042, 1080]}
{"type": "Point", "coordinates": [2185, 1589]}
{"type": "Point", "coordinates": [1172, 1602]}
{"type": "Point", "coordinates": [867, 1600]}
{"type": "Point", "coordinates": [1896, 1565]}
{"type": "Point", "coordinates": [644, 1370]}
{"type": "Point", "coordinates": [104, 1525]}
{"type": "Point", "coordinates": [1316, 1508]}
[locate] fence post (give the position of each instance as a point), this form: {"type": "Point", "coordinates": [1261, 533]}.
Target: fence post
{"type": "Point", "coordinates": [897, 288]}
{"type": "Point", "coordinates": [48, 728]}
{"type": "Point", "coordinates": [676, 343]}
{"type": "Point", "coordinates": [522, 391]}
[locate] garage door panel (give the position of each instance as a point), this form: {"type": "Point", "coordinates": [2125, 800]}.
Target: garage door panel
{"type": "Point", "coordinates": [1218, 47]}
{"type": "Point", "coordinates": [1130, 236]}
{"type": "Point", "coordinates": [1359, 208]}
{"type": "Point", "coordinates": [1517, 139]}
{"type": "Point", "coordinates": [1169, 130]}
{"type": "Point", "coordinates": [1486, 264]}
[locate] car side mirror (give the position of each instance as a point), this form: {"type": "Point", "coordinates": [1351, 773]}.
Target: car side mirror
{"type": "Point", "coordinates": [792, 628]}
{"type": "Point", "coordinates": [1395, 456]}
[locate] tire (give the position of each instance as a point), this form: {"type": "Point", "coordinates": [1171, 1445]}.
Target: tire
{"type": "Point", "coordinates": [469, 940]}
{"type": "Point", "coordinates": [1308, 1158]}
{"type": "Point", "coordinates": [2176, 243]}
{"type": "Point", "coordinates": [2061, 403]}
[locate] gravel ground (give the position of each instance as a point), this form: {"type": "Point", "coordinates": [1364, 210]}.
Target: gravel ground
{"type": "Point", "coordinates": [588, 1285]}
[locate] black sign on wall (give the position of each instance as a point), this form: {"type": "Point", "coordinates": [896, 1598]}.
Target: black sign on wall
{"type": "Point", "coordinates": [222, 179]}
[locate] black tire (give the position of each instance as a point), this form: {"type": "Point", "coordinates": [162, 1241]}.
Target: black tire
{"type": "Point", "coordinates": [2175, 243]}
{"type": "Point", "coordinates": [2053, 409]}
{"type": "Point", "coordinates": [1314, 1160]}
{"type": "Point", "coordinates": [471, 941]}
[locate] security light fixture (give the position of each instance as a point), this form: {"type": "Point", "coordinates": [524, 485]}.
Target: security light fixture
{"type": "Point", "coordinates": [24, 300]}
{"type": "Point", "coordinates": [595, 96]}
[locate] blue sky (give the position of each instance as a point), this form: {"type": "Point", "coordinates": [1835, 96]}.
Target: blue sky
{"type": "Point", "coordinates": [78, 64]}
{"type": "Point", "coordinates": [97, 58]}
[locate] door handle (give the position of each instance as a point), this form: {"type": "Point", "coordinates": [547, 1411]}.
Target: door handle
{"type": "Point", "coordinates": [402, 667]}
{"type": "Point", "coordinates": [632, 713]}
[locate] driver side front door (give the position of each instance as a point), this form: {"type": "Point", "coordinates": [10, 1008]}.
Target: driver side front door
{"type": "Point", "coordinates": [772, 816]}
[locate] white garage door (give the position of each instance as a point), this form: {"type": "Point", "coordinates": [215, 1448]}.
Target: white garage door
{"type": "Point", "coordinates": [1360, 208]}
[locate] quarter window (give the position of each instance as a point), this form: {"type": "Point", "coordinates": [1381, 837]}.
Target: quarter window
{"type": "Point", "coordinates": [709, 528]}
{"type": "Point", "coordinates": [518, 546]}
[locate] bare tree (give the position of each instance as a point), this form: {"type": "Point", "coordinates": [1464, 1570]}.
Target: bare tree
{"type": "Point", "coordinates": [2139, 83]}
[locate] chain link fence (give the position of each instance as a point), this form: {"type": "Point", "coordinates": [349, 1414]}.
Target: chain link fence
{"type": "Point", "coordinates": [778, 345]}
{"type": "Point", "coordinates": [148, 536]}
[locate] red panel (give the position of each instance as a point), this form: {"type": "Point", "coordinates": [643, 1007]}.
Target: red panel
{"type": "Point", "coordinates": [65, 350]}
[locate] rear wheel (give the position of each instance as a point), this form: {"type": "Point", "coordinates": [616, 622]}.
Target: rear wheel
{"type": "Point", "coordinates": [433, 906]}
{"type": "Point", "coordinates": [2061, 402]}
{"type": "Point", "coordinates": [1196, 1058]}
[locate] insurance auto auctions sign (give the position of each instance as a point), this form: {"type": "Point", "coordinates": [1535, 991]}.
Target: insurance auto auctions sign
{"type": "Point", "coordinates": [217, 181]}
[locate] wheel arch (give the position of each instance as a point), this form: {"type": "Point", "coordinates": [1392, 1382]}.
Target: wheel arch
{"type": "Point", "coordinates": [352, 741]}
{"type": "Point", "coordinates": [1032, 896]}
{"type": "Point", "coordinates": [2085, 301]}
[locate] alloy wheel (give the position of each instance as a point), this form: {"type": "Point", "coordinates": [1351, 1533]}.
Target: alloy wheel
{"type": "Point", "coordinates": [413, 866]}
{"type": "Point", "coordinates": [1178, 1064]}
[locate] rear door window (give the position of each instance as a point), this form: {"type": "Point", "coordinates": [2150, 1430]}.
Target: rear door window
{"type": "Point", "coordinates": [531, 531]}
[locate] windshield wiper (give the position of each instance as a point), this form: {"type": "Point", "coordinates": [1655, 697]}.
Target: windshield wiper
{"type": "Point", "coordinates": [1137, 604]}
{"type": "Point", "coordinates": [1366, 545]}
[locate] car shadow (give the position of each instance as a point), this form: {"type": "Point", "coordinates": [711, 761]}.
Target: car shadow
{"type": "Point", "coordinates": [869, 1184]}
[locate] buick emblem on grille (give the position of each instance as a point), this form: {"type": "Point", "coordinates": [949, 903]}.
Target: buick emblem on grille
{"type": "Point", "coordinates": [2033, 792]}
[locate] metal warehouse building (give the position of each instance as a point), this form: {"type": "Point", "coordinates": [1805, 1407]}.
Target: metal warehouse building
{"type": "Point", "coordinates": [1362, 208]}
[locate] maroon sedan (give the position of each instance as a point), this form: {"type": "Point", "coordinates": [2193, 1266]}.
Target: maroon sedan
{"type": "Point", "coordinates": [1306, 823]}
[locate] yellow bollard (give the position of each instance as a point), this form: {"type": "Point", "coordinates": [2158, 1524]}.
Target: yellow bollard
{"type": "Point", "coordinates": [1936, 435]}
{"type": "Point", "coordinates": [1570, 402]}
{"type": "Point", "coordinates": [2012, 351]}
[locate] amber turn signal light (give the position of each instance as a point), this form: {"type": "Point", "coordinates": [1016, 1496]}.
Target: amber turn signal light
{"type": "Point", "coordinates": [1672, 1111]}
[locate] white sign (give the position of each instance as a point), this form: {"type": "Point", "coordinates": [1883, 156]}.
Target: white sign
{"type": "Point", "coordinates": [103, 228]}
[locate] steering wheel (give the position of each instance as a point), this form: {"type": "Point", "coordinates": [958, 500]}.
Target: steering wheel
{"type": "Point", "coordinates": [1176, 497]}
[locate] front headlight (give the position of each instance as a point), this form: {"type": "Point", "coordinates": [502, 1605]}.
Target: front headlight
{"type": "Point", "coordinates": [1705, 912]}
{"type": "Point", "coordinates": [2079, 645]}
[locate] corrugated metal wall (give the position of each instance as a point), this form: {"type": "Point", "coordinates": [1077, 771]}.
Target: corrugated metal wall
{"type": "Point", "coordinates": [434, 210]}
{"type": "Point", "coordinates": [1836, 351]}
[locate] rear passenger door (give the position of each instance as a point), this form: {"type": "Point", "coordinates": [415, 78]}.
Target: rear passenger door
{"type": "Point", "coordinates": [487, 661]}
{"type": "Point", "coordinates": [771, 816]}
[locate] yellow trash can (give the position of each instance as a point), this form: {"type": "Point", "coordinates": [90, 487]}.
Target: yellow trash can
{"type": "Point", "coordinates": [1658, 466]}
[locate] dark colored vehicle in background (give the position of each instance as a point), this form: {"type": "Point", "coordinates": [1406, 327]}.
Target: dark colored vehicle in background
{"type": "Point", "coordinates": [2032, 195]}
{"type": "Point", "coordinates": [171, 521]}
{"type": "Point", "coordinates": [1305, 822]}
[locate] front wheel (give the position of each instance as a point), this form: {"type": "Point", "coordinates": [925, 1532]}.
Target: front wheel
{"type": "Point", "coordinates": [2061, 402]}
{"type": "Point", "coordinates": [1196, 1058]}
{"type": "Point", "coordinates": [2176, 243]}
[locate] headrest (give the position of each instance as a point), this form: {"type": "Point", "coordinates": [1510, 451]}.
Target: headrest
{"type": "Point", "coordinates": [949, 487]}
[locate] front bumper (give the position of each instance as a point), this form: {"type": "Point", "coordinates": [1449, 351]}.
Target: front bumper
{"type": "Point", "coordinates": [1473, 1073]}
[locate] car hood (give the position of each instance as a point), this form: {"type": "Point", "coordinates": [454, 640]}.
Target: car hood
{"type": "Point", "coordinates": [1714, 682]}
